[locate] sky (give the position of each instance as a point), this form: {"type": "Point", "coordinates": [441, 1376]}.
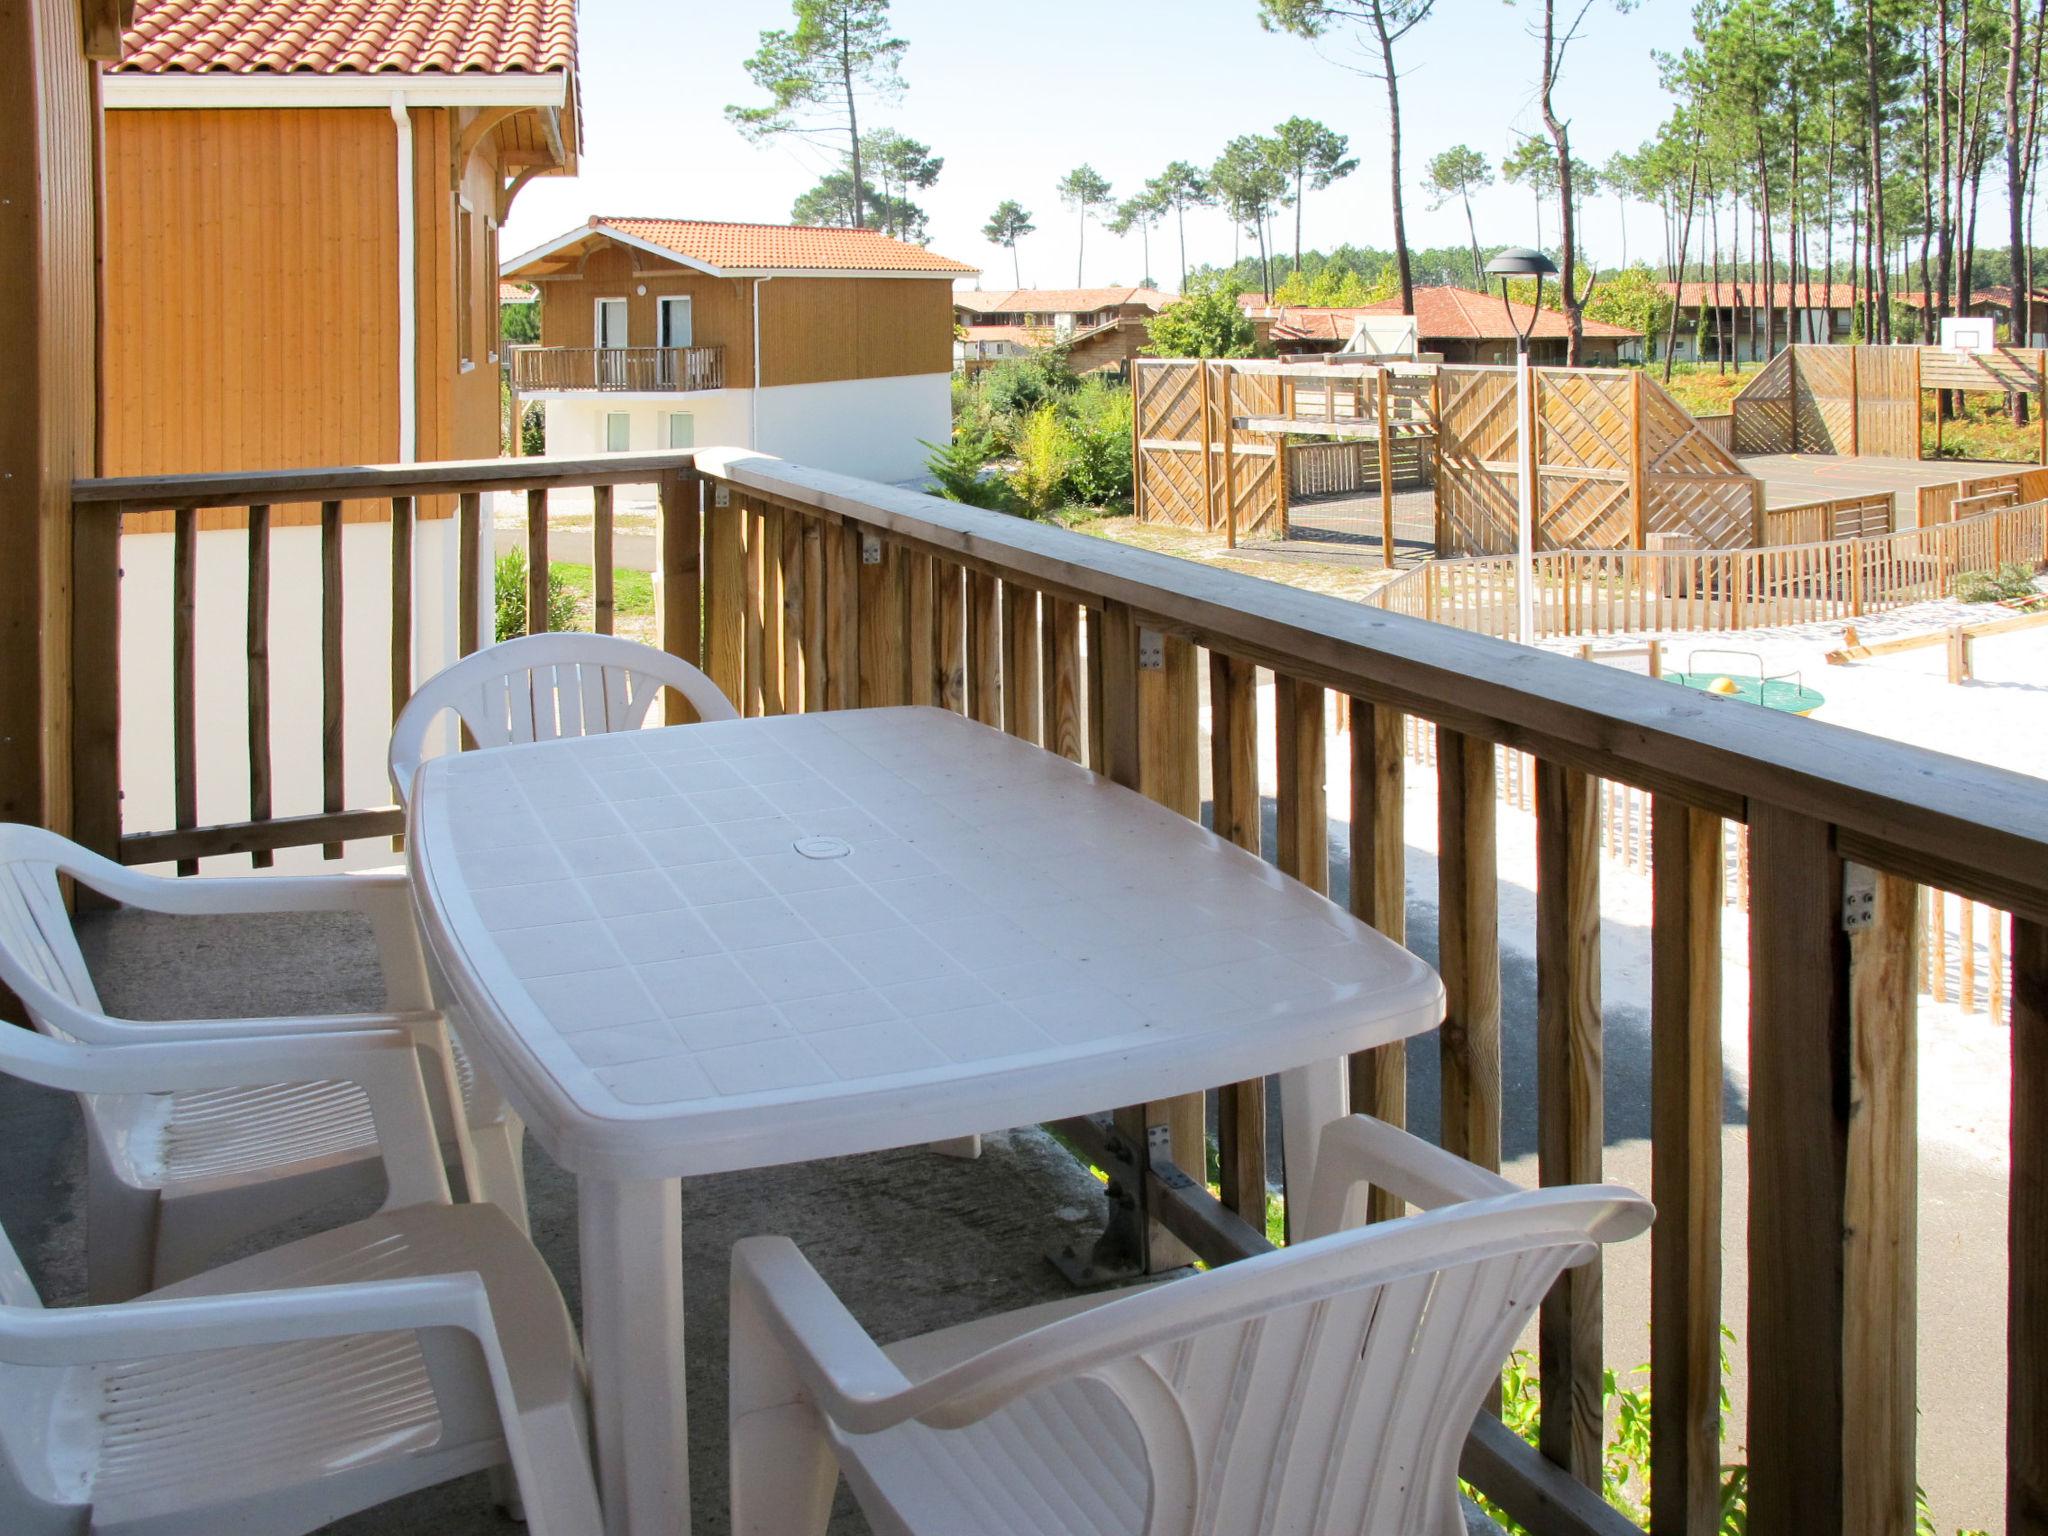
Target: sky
{"type": "Point", "coordinates": [1014, 96]}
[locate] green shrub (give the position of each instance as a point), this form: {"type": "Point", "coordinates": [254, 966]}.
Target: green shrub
{"type": "Point", "coordinates": [533, 433]}
{"type": "Point", "coordinates": [1017, 387]}
{"type": "Point", "coordinates": [1045, 450]}
{"type": "Point", "coordinates": [1099, 470]}
{"type": "Point", "coordinates": [2007, 582]}
{"type": "Point", "coordinates": [961, 470]}
{"type": "Point", "coordinates": [510, 576]}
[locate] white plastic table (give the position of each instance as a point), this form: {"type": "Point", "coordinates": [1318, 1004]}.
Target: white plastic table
{"type": "Point", "coordinates": [731, 945]}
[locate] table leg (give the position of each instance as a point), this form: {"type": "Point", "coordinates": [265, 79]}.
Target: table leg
{"type": "Point", "coordinates": [631, 1233]}
{"type": "Point", "coordinates": [1310, 1098]}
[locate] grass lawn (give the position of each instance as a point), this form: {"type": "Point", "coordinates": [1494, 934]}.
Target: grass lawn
{"type": "Point", "coordinates": [1701, 388]}
{"type": "Point", "coordinates": [632, 598]}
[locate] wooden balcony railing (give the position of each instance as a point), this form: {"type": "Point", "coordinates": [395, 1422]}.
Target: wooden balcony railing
{"type": "Point", "coordinates": [800, 590]}
{"type": "Point", "coordinates": [643, 369]}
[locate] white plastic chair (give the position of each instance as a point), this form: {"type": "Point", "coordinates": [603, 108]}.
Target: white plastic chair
{"type": "Point", "coordinates": [177, 1170]}
{"type": "Point", "coordinates": [286, 1390]}
{"type": "Point", "coordinates": [1324, 1388]}
{"type": "Point", "coordinates": [541, 687]}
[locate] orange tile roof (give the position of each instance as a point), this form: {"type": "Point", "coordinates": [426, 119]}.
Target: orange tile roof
{"type": "Point", "coordinates": [1056, 301]}
{"type": "Point", "coordinates": [517, 293]}
{"type": "Point", "coordinates": [333, 37]}
{"type": "Point", "coordinates": [795, 247]}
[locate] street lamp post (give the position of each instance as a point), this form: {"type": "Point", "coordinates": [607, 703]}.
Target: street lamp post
{"type": "Point", "coordinates": [1520, 261]}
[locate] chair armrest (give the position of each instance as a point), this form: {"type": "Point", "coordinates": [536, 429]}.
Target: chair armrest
{"type": "Point", "coordinates": [226, 894]}
{"type": "Point", "coordinates": [384, 1064]}
{"type": "Point", "coordinates": [775, 1289]}
{"type": "Point", "coordinates": [183, 1325]}
{"type": "Point", "coordinates": [102, 1029]}
{"type": "Point", "coordinates": [1358, 1151]}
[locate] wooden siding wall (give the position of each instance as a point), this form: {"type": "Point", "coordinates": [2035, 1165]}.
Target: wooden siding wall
{"type": "Point", "coordinates": [721, 308]}
{"type": "Point", "coordinates": [252, 310]}
{"type": "Point", "coordinates": [814, 329]}
{"type": "Point", "coordinates": [252, 302]}
{"type": "Point", "coordinates": [47, 176]}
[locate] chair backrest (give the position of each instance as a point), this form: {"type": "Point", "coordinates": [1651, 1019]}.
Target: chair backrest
{"type": "Point", "coordinates": [1325, 1388]}
{"type": "Point", "coordinates": [540, 687]}
{"type": "Point", "coordinates": [36, 935]}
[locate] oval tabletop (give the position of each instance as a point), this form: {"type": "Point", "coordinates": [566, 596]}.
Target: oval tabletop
{"type": "Point", "coordinates": [729, 945]}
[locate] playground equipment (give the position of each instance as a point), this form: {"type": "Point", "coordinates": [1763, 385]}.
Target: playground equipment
{"type": "Point", "coordinates": [1784, 691]}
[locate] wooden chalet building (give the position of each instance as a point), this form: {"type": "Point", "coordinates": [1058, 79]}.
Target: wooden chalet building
{"type": "Point", "coordinates": [1100, 327]}
{"type": "Point", "coordinates": [832, 346]}
{"type": "Point", "coordinates": [1744, 323]}
{"type": "Point", "coordinates": [303, 205]}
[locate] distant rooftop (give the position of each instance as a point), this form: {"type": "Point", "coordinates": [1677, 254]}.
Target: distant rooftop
{"type": "Point", "coordinates": [1055, 301]}
{"type": "Point", "coordinates": [333, 37]}
{"type": "Point", "coordinates": [1457, 314]}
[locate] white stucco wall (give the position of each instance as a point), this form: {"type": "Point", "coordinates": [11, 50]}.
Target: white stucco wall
{"type": "Point", "coordinates": [295, 699]}
{"type": "Point", "coordinates": [866, 427]}
{"type": "Point", "coordinates": [875, 428]}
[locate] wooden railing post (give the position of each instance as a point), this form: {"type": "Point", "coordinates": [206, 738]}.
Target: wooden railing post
{"type": "Point", "coordinates": [96, 678]}
{"type": "Point", "coordinates": [1313, 1095]}
{"type": "Point", "coordinates": [1468, 905]}
{"type": "Point", "coordinates": [1570, 1118]}
{"type": "Point", "coordinates": [1234, 777]}
{"type": "Point", "coordinates": [331, 702]}
{"type": "Point", "coordinates": [469, 577]}
{"type": "Point", "coordinates": [725, 601]}
{"type": "Point", "coordinates": [1169, 771]}
{"type": "Point", "coordinates": [2026, 1306]}
{"type": "Point", "coordinates": [1685, 1170]}
{"type": "Point", "coordinates": [679, 621]}
{"type": "Point", "coordinates": [537, 560]}
{"type": "Point", "coordinates": [1830, 1311]}
{"type": "Point", "coordinates": [1379, 896]}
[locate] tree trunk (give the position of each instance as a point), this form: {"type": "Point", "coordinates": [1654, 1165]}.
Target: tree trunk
{"type": "Point", "coordinates": [1081, 247]}
{"type": "Point", "coordinates": [1472, 229]}
{"type": "Point", "coordinates": [1684, 235]}
{"type": "Point", "coordinates": [1401, 262]}
{"type": "Point", "coordinates": [1180, 216]}
{"type": "Point", "coordinates": [1883, 320]}
{"type": "Point", "coordinates": [2015, 192]}
{"type": "Point", "coordinates": [860, 220]}
{"type": "Point", "coordinates": [1720, 342]}
{"type": "Point", "coordinates": [1016, 272]}
{"type": "Point", "coordinates": [1944, 234]}
{"type": "Point", "coordinates": [1574, 300]}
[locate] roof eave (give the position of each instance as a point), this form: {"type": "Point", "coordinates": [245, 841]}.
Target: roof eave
{"type": "Point", "coordinates": [307, 88]}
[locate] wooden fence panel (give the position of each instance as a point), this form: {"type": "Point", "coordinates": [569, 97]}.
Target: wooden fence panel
{"type": "Point", "coordinates": [1823, 399]}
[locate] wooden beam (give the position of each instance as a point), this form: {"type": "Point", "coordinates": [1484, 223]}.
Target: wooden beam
{"type": "Point", "coordinates": [1020, 661]}
{"type": "Point", "coordinates": [984, 649]}
{"type": "Point", "coordinates": [1685, 1169]}
{"type": "Point", "coordinates": [256, 639]}
{"type": "Point", "coordinates": [537, 561]}
{"type": "Point", "coordinates": [1638, 465]}
{"type": "Point", "coordinates": [1060, 676]}
{"type": "Point", "coordinates": [331, 683]}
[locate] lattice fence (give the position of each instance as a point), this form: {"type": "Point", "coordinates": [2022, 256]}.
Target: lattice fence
{"type": "Point", "coordinates": [1763, 411]}
{"type": "Point", "coordinates": [1179, 417]}
{"type": "Point", "coordinates": [1693, 485]}
{"type": "Point", "coordinates": [1477, 442]}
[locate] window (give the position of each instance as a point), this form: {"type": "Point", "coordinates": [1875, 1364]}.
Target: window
{"type": "Point", "coordinates": [673, 322]}
{"type": "Point", "coordinates": [618, 432]}
{"type": "Point", "coordinates": [465, 282]}
{"type": "Point", "coordinates": [610, 328]}
{"type": "Point", "coordinates": [681, 430]}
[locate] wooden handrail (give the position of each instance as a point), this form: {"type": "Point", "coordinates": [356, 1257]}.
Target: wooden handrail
{"type": "Point", "coordinates": [154, 493]}
{"type": "Point", "coordinates": [1987, 838]}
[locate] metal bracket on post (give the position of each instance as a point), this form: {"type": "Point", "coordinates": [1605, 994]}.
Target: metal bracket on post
{"type": "Point", "coordinates": [1151, 651]}
{"type": "Point", "coordinates": [1859, 897]}
{"type": "Point", "coordinates": [1119, 1253]}
{"type": "Point", "coordinates": [721, 495]}
{"type": "Point", "coordinates": [870, 549]}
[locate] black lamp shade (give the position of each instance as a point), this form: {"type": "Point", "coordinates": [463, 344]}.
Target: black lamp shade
{"type": "Point", "coordinates": [1520, 261]}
